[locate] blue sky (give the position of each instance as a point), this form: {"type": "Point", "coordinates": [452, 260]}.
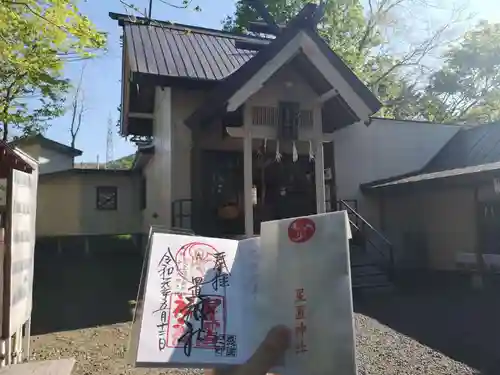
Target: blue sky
{"type": "Point", "coordinates": [102, 75]}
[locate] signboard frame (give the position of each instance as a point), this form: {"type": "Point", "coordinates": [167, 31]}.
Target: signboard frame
{"type": "Point", "coordinates": [12, 322]}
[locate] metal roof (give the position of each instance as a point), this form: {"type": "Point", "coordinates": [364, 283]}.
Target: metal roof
{"type": "Point", "coordinates": [158, 50]}
{"type": "Point", "coordinates": [183, 51]}
{"type": "Point", "coordinates": [470, 146]}
{"type": "Point", "coordinates": [46, 143]}
{"type": "Point", "coordinates": [472, 150]}
{"type": "Point", "coordinates": [450, 173]}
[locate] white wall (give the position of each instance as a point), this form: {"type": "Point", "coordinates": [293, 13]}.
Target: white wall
{"type": "Point", "coordinates": [53, 161]}
{"type": "Point", "coordinates": [67, 205]}
{"type": "Point", "coordinates": [383, 149]}
{"type": "Point", "coordinates": [49, 160]}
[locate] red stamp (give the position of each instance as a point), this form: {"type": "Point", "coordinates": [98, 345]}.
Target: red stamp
{"type": "Point", "coordinates": [199, 319]}
{"type": "Point", "coordinates": [301, 230]}
{"type": "Point", "coordinates": [195, 259]}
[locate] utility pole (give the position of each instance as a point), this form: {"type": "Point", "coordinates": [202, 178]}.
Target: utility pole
{"type": "Point", "coordinates": [109, 142]}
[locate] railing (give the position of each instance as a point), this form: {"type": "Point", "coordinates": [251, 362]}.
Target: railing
{"type": "Point", "coordinates": [353, 203]}
{"type": "Point", "coordinates": [362, 226]}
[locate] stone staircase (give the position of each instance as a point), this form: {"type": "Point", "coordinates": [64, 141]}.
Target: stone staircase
{"type": "Point", "coordinates": [366, 273]}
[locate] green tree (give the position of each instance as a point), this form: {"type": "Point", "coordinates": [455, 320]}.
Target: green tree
{"type": "Point", "coordinates": [123, 163]}
{"type": "Point", "coordinates": [36, 38]}
{"type": "Point", "coordinates": [467, 87]}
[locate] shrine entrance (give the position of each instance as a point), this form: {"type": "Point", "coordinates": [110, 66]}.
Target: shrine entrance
{"type": "Point", "coordinates": [284, 189]}
{"type": "Point", "coordinates": [280, 190]}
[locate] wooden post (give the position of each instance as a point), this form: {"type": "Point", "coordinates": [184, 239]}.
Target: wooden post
{"type": "Point", "coordinates": [319, 160]}
{"type": "Point", "coordinates": [247, 171]}
{"type": "Point", "coordinates": [478, 275]}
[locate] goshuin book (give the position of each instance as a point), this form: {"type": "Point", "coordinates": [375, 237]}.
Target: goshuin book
{"type": "Point", "coordinates": [209, 302]}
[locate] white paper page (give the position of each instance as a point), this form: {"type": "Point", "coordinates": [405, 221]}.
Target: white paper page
{"type": "Point", "coordinates": [305, 283]}
{"type": "Point", "coordinates": [175, 262]}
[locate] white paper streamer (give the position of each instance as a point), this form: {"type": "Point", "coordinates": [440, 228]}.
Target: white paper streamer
{"type": "Point", "coordinates": [311, 152]}
{"type": "Point", "coordinates": [295, 154]}
{"type": "Point", "coordinates": [278, 154]}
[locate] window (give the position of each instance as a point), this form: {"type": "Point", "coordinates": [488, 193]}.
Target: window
{"type": "Point", "coordinates": [107, 198]}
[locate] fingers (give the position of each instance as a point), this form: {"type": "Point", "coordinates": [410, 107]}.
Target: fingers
{"type": "Point", "coordinates": [268, 354]}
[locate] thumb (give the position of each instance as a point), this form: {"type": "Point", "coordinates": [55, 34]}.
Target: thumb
{"type": "Point", "coordinates": [268, 354]}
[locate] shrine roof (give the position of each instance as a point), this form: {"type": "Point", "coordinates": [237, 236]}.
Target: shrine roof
{"type": "Point", "coordinates": [334, 110]}
{"type": "Point", "coordinates": [174, 50]}
{"type": "Point", "coordinates": [162, 50]}
{"type": "Point", "coordinates": [47, 143]}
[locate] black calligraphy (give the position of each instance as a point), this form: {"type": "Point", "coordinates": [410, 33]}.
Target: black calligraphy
{"type": "Point", "coordinates": [202, 308]}
{"type": "Point", "coordinates": [165, 269]}
{"type": "Point", "coordinates": [225, 346]}
{"type": "Point", "coordinates": [222, 274]}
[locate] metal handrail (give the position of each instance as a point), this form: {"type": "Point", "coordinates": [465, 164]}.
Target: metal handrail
{"type": "Point", "coordinates": [370, 241]}
{"type": "Point", "coordinates": [380, 235]}
{"type": "Point", "coordinates": [366, 222]}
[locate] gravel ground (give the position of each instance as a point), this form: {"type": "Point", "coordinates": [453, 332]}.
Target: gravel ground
{"type": "Point", "coordinates": [380, 350]}
{"type": "Point", "coordinates": [429, 330]}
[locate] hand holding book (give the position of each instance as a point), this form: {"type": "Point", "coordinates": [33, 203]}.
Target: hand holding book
{"type": "Point", "coordinates": [210, 302]}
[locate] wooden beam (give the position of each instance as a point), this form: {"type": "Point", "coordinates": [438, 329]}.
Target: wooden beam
{"type": "Point", "coordinates": [257, 81]}
{"type": "Point", "coordinates": [319, 13]}
{"type": "Point", "coordinates": [270, 132]}
{"type": "Point", "coordinates": [328, 95]}
{"type": "Point", "coordinates": [263, 28]}
{"type": "Point", "coordinates": [261, 9]}
{"type": "Point", "coordinates": [319, 161]}
{"type": "Point", "coordinates": [247, 170]}
{"type": "Point", "coordinates": [332, 75]}
{"type": "Point", "coordinates": [147, 116]}
{"type": "Point", "coordinates": [249, 46]}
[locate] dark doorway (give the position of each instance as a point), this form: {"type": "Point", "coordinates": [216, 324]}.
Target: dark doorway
{"type": "Point", "coordinates": [489, 227]}
{"type": "Point", "coordinates": [284, 189]}
{"type": "Point", "coordinates": [281, 189]}
{"type": "Point", "coordinates": [222, 206]}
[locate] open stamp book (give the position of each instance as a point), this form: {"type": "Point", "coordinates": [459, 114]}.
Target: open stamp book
{"type": "Point", "coordinates": [207, 302]}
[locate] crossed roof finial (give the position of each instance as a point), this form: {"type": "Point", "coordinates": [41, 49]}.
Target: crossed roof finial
{"type": "Point", "coordinates": [313, 13]}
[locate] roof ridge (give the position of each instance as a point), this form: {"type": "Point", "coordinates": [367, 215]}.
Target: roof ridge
{"type": "Point", "coordinates": [141, 21]}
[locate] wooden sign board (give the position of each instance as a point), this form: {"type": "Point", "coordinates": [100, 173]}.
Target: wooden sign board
{"type": "Point", "coordinates": [19, 247]}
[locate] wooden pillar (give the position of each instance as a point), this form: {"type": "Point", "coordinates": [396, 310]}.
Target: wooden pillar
{"type": "Point", "coordinates": [247, 171]}
{"type": "Point", "coordinates": [164, 154]}
{"type": "Point", "coordinates": [319, 160]}
{"type": "Point", "coordinates": [329, 156]}
{"type": "Point", "coordinates": [478, 275]}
